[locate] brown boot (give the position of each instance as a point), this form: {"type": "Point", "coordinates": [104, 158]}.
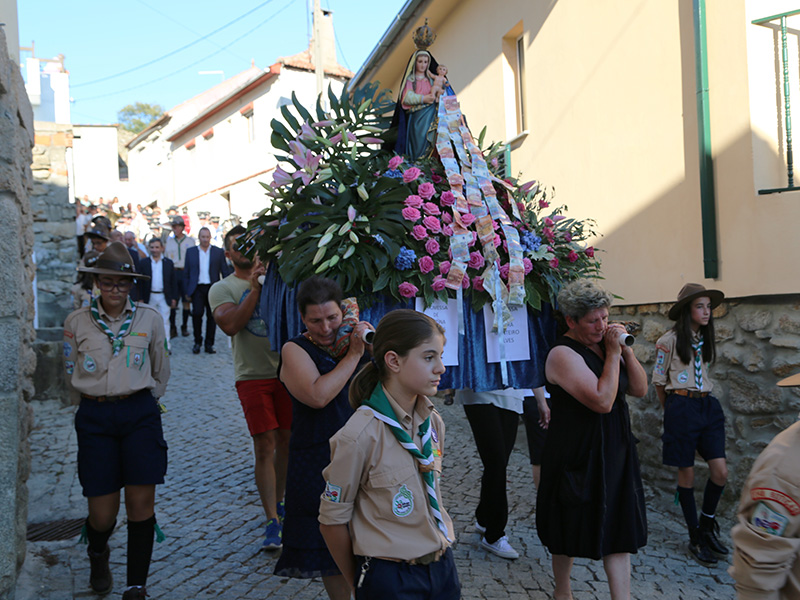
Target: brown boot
{"type": "Point", "coordinates": [100, 578]}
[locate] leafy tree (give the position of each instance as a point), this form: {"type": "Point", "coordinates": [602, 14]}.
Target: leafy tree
{"type": "Point", "coordinates": [137, 116]}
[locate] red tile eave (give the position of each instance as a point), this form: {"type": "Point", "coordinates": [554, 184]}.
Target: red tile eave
{"type": "Point", "coordinates": [274, 70]}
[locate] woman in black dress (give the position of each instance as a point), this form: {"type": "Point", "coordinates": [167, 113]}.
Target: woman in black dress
{"type": "Point", "coordinates": [591, 501]}
{"type": "Point", "coordinates": [318, 382]}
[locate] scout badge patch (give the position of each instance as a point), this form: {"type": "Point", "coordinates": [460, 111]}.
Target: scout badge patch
{"type": "Point", "coordinates": [332, 493]}
{"type": "Point", "coordinates": [403, 502]}
{"type": "Point", "coordinates": [768, 521]}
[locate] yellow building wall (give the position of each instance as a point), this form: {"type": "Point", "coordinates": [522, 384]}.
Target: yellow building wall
{"type": "Point", "coordinates": [611, 106]}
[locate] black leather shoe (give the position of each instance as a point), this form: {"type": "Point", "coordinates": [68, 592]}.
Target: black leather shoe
{"type": "Point", "coordinates": [709, 531]}
{"type": "Point", "coordinates": [185, 331]}
{"type": "Point", "coordinates": [196, 349]}
{"type": "Point", "coordinates": [173, 332]}
{"type": "Point", "coordinates": [100, 576]}
{"type": "Point", "coordinates": [210, 350]}
{"type": "Point", "coordinates": [699, 549]}
{"type": "Point", "coordinates": [137, 593]}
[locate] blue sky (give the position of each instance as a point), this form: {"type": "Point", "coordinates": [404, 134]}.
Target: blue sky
{"type": "Point", "coordinates": [110, 40]}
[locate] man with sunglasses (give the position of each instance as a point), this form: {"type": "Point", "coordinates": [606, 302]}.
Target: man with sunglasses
{"type": "Point", "coordinates": [115, 357]}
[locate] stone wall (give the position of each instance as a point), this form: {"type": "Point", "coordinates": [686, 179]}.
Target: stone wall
{"type": "Point", "coordinates": [757, 345]}
{"type": "Point", "coordinates": [53, 223]}
{"type": "Point", "coordinates": [17, 360]}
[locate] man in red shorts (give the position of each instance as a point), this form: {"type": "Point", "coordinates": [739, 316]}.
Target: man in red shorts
{"type": "Point", "coordinates": [267, 408]}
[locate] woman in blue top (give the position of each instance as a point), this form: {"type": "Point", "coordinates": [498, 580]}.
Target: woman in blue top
{"type": "Point", "coordinates": [318, 384]}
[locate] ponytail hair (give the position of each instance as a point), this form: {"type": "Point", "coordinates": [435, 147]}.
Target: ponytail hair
{"type": "Point", "coordinates": [399, 331]}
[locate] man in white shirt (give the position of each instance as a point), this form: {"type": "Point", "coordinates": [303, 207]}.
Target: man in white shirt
{"type": "Point", "coordinates": [205, 265]}
{"type": "Point", "coordinates": [161, 289]}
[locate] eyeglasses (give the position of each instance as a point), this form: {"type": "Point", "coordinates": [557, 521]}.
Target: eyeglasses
{"type": "Point", "coordinates": [123, 285]}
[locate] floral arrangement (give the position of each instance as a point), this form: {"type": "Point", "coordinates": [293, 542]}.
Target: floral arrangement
{"type": "Point", "coordinates": [347, 209]}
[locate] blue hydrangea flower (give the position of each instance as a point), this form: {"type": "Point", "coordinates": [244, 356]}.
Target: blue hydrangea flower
{"type": "Point", "coordinates": [378, 238]}
{"type": "Point", "coordinates": [530, 241]}
{"type": "Point", "coordinates": [393, 173]}
{"type": "Point", "coordinates": [405, 260]}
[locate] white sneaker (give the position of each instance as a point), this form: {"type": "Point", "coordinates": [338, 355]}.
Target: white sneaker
{"type": "Point", "coordinates": [480, 528]}
{"type": "Point", "coordinates": [501, 548]}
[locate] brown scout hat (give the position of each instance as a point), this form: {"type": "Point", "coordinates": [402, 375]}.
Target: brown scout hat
{"type": "Point", "coordinates": [691, 291]}
{"type": "Point", "coordinates": [115, 260]}
{"type": "Point", "coordinates": [177, 220]}
{"type": "Point", "coordinates": [98, 230]}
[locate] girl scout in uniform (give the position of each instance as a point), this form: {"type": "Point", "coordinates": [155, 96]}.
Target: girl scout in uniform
{"type": "Point", "coordinates": [381, 513]}
{"type": "Point", "coordinates": [116, 358]}
{"type": "Point", "coordinates": [693, 418]}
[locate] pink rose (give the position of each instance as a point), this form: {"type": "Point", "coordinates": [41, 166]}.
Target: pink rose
{"type": "Point", "coordinates": [548, 222]}
{"type": "Point", "coordinates": [435, 178]}
{"type": "Point", "coordinates": [477, 284]}
{"type": "Point", "coordinates": [504, 271]}
{"type": "Point", "coordinates": [410, 175]}
{"type": "Point", "coordinates": [447, 199]}
{"type": "Point", "coordinates": [543, 204]}
{"type": "Point", "coordinates": [444, 267]}
{"type": "Point", "coordinates": [426, 264]}
{"type": "Point", "coordinates": [419, 233]}
{"type": "Point", "coordinates": [567, 236]}
{"type": "Point", "coordinates": [521, 206]}
{"type": "Point", "coordinates": [447, 230]}
{"type": "Point", "coordinates": [548, 233]}
{"type": "Point", "coordinates": [497, 241]}
{"type": "Point", "coordinates": [395, 162]}
{"type": "Point", "coordinates": [411, 214]}
{"type": "Point", "coordinates": [474, 239]}
{"type": "Point", "coordinates": [446, 217]}
{"type": "Point", "coordinates": [407, 290]}
{"type": "Point", "coordinates": [431, 246]}
{"type": "Point", "coordinates": [438, 283]}
{"type": "Point", "coordinates": [431, 209]}
{"type": "Point", "coordinates": [495, 225]}
{"type": "Point", "coordinates": [476, 260]}
{"type": "Point", "coordinates": [433, 224]}
{"type": "Point", "coordinates": [572, 256]}
{"type": "Point", "coordinates": [426, 190]}
{"type": "Point", "coordinates": [465, 282]}
{"type": "Point", "coordinates": [527, 265]}
{"type": "Point", "coordinates": [467, 219]}
{"type": "Point", "coordinates": [413, 201]}
{"type": "Point", "coordinates": [554, 262]}
{"type": "Point", "coordinates": [590, 251]}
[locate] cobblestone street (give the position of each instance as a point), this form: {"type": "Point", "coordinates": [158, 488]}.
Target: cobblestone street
{"type": "Point", "coordinates": [209, 510]}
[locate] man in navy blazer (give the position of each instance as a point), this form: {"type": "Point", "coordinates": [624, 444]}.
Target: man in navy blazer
{"type": "Point", "coordinates": [160, 288]}
{"type": "Point", "coordinates": [205, 265]}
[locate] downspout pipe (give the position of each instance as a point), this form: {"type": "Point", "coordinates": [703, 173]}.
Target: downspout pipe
{"type": "Point", "coordinates": [707, 191]}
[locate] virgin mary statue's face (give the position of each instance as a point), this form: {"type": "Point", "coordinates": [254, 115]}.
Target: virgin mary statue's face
{"type": "Point", "coordinates": [422, 63]}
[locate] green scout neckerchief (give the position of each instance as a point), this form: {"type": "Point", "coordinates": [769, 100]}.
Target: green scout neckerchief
{"type": "Point", "coordinates": [116, 340]}
{"type": "Point", "coordinates": [698, 364]}
{"type": "Point", "coordinates": [379, 406]}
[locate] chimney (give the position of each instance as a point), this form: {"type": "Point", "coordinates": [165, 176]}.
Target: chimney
{"type": "Point", "coordinates": [327, 40]}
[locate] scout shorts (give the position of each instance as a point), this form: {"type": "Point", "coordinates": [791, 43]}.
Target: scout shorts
{"type": "Point", "coordinates": [390, 580]}
{"type": "Point", "coordinates": [120, 443]}
{"type": "Point", "coordinates": [692, 424]}
{"type": "Point", "coordinates": [266, 405]}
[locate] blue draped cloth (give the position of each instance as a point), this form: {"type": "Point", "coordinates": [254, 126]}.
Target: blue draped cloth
{"type": "Point", "coordinates": [279, 310]}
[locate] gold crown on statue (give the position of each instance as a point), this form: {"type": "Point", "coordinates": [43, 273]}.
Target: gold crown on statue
{"type": "Point", "coordinates": [423, 37]}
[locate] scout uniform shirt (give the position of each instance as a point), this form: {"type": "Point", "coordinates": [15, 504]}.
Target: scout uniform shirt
{"type": "Point", "coordinates": [374, 484]}
{"type": "Point", "coordinates": [766, 538]}
{"type": "Point", "coordinates": [176, 251]}
{"type": "Point", "coordinates": [671, 372]}
{"type": "Point", "coordinates": [142, 362]}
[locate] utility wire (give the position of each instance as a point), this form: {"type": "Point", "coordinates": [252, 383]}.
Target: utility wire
{"type": "Point", "coordinates": [192, 31]}
{"type": "Point", "coordinates": [136, 87]}
{"type": "Point", "coordinates": [160, 58]}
